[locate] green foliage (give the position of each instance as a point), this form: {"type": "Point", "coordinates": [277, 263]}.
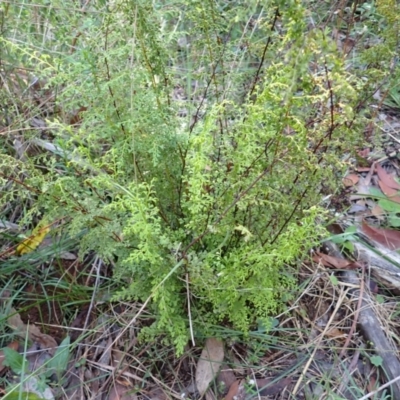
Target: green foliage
{"type": "Point", "coordinates": [22, 396]}
{"type": "Point", "coordinates": [207, 136]}
{"type": "Point", "coordinates": [14, 360]}
{"type": "Point", "coordinates": [58, 364]}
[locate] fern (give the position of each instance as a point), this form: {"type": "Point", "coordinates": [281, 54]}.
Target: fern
{"type": "Point", "coordinates": [207, 136]}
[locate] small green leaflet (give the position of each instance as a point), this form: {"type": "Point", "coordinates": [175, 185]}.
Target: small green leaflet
{"type": "Point", "coordinates": [376, 360]}
{"type": "Point", "coordinates": [348, 234]}
{"type": "Point", "coordinates": [334, 280]}
{"type": "Point", "coordinates": [393, 220]}
{"type": "Point", "coordinates": [59, 362]}
{"type": "Point", "coordinates": [389, 205]}
{"type": "Point", "coordinates": [14, 360]}
{"type": "Point", "coordinates": [375, 192]}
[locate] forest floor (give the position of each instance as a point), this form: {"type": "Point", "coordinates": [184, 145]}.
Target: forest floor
{"type": "Point", "coordinates": [339, 338]}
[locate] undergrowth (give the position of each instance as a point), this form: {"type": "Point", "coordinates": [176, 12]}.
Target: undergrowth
{"type": "Point", "coordinates": [189, 144]}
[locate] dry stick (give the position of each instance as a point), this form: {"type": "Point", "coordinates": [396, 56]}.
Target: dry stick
{"type": "Point", "coordinates": [352, 368]}
{"type": "Point", "coordinates": [371, 329]}
{"type": "Point", "coordinates": [350, 335]}
{"type": "Point", "coordinates": [269, 41]}
{"type": "Point", "coordinates": [255, 382]}
{"type": "Point", "coordinates": [130, 375]}
{"type": "Point", "coordinates": [96, 265]}
{"type": "Point", "coordinates": [387, 384]}
{"type": "Point", "coordinates": [383, 265]}
{"type": "Point", "coordinates": [307, 366]}
{"type": "Point", "coordinates": [189, 313]}
{"type": "Point", "coordinates": [357, 313]}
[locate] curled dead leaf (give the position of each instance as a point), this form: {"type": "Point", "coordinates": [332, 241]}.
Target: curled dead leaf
{"type": "Point", "coordinates": [364, 152]}
{"type": "Point", "coordinates": [334, 262]}
{"type": "Point", "coordinates": [236, 391]}
{"type": "Point", "coordinates": [386, 178]}
{"type": "Point", "coordinates": [393, 194]}
{"type": "Point", "coordinates": [389, 238]}
{"type": "Point", "coordinates": [225, 379]}
{"type": "Point", "coordinates": [34, 334]}
{"type": "Point", "coordinates": [335, 333]}
{"type": "Point", "coordinates": [350, 180]}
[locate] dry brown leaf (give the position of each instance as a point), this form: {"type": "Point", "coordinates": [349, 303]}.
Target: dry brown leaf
{"type": "Point", "coordinates": [389, 238]}
{"type": "Point", "coordinates": [362, 189]}
{"type": "Point", "coordinates": [378, 212]}
{"type": "Point", "coordinates": [363, 153]}
{"type": "Point", "coordinates": [43, 341]}
{"type": "Point", "coordinates": [363, 169]}
{"type": "Point", "coordinates": [236, 391]}
{"type": "Point", "coordinates": [15, 322]}
{"type": "Point", "coordinates": [350, 180]}
{"type": "Point", "coordinates": [335, 333]}
{"type": "Point", "coordinates": [226, 378]}
{"type": "Point", "coordinates": [386, 178]}
{"type": "Point", "coordinates": [209, 364]}
{"type": "Point", "coordinates": [393, 194]}
{"type": "Point", "coordinates": [334, 262]}
{"type": "Point", "coordinates": [371, 386]}
{"type": "Point", "coordinates": [265, 387]}
{"type": "Point", "coordinates": [120, 392]}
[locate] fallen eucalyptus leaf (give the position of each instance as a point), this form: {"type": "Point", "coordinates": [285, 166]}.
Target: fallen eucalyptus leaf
{"type": "Point", "coordinates": [209, 364]}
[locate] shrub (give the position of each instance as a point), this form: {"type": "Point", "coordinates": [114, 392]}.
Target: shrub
{"type": "Point", "coordinates": [202, 186]}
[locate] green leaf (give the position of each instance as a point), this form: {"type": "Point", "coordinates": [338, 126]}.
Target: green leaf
{"type": "Point", "coordinates": [22, 396]}
{"type": "Point", "coordinates": [348, 234]}
{"type": "Point", "coordinates": [334, 280]}
{"type": "Point", "coordinates": [59, 362]}
{"type": "Point", "coordinates": [349, 246]}
{"type": "Point", "coordinates": [375, 192]}
{"type": "Point", "coordinates": [394, 220]}
{"type": "Point", "coordinates": [351, 229]}
{"type": "Point", "coordinates": [379, 299]}
{"type": "Point", "coordinates": [376, 360]}
{"type": "Point", "coordinates": [14, 360]}
{"type": "Point", "coordinates": [389, 205]}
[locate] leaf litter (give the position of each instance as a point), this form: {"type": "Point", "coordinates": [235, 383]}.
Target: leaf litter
{"type": "Point", "coordinates": [42, 358]}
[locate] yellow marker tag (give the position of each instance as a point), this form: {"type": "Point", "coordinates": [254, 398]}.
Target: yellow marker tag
{"type": "Point", "coordinates": [33, 241]}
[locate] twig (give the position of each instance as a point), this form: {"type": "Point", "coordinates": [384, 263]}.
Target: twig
{"type": "Point", "coordinates": [189, 313]}
{"type": "Point", "coordinates": [356, 315]}
{"type": "Point", "coordinates": [352, 368]}
{"type": "Point", "coordinates": [371, 329]}
{"type": "Point", "coordinates": [96, 265]}
{"type": "Point", "coordinates": [387, 384]}
{"type": "Point", "coordinates": [307, 366]}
